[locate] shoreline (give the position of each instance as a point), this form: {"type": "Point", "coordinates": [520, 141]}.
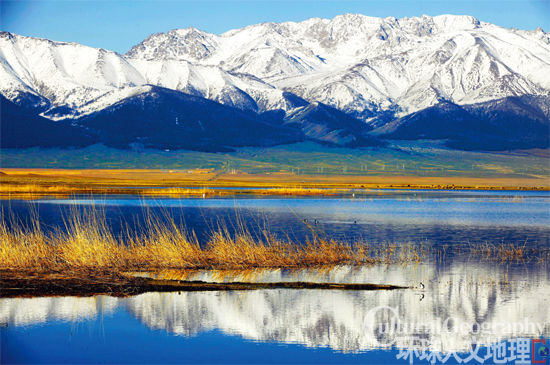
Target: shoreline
{"type": "Point", "coordinates": [177, 248]}
{"type": "Point", "coordinates": [17, 285]}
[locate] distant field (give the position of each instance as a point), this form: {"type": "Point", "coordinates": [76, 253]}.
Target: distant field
{"type": "Point", "coordinates": [298, 164]}
{"type": "Point", "coordinates": [118, 181]}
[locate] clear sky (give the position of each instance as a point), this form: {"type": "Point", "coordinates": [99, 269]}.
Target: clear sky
{"type": "Point", "coordinates": [119, 24]}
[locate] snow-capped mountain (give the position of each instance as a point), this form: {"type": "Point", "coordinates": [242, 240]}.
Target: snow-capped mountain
{"type": "Point", "coordinates": [362, 64]}
{"type": "Point", "coordinates": [377, 70]}
{"type": "Point", "coordinates": [151, 117]}
{"type": "Point", "coordinates": [60, 74]}
{"type": "Point", "coordinates": [355, 63]}
{"type": "Point", "coordinates": [71, 79]}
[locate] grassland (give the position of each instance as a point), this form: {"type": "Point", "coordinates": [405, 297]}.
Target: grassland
{"type": "Point", "coordinates": [22, 187]}
{"type": "Point", "coordinates": [403, 159]}
{"type": "Point", "coordinates": [34, 183]}
{"type": "Point", "coordinates": [291, 169]}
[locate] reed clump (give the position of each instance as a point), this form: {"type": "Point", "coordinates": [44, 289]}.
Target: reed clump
{"type": "Point", "coordinates": [10, 189]}
{"type": "Point", "coordinates": [200, 192]}
{"type": "Point", "coordinates": [208, 192]}
{"type": "Point", "coordinates": [25, 248]}
{"type": "Point", "coordinates": [87, 244]}
{"type": "Point", "coordinates": [506, 253]}
{"type": "Point", "coordinates": [34, 191]}
{"type": "Point", "coordinates": [21, 190]}
{"type": "Point", "coordinates": [34, 188]}
{"type": "Point", "coordinates": [299, 191]}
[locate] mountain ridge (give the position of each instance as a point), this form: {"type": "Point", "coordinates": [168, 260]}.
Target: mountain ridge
{"type": "Point", "coordinates": [376, 70]}
{"type": "Point", "coordinates": [365, 67]}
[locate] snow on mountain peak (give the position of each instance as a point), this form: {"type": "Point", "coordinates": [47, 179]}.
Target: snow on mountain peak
{"type": "Point", "coordinates": [189, 44]}
{"type": "Point", "coordinates": [456, 22]}
{"type": "Point", "coordinates": [359, 64]}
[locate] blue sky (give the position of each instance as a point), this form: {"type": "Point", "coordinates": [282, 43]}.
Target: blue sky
{"type": "Point", "coordinates": [119, 24]}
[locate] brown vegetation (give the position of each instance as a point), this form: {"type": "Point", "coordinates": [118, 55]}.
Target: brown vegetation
{"type": "Point", "coordinates": [34, 191]}
{"type": "Point", "coordinates": [504, 253]}
{"type": "Point", "coordinates": [85, 258]}
{"type": "Point", "coordinates": [87, 245]}
{"type": "Point", "coordinates": [113, 181]}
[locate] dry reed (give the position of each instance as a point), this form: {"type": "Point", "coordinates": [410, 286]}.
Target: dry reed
{"type": "Point", "coordinates": [508, 252]}
{"type": "Point", "coordinates": [22, 190]}
{"type": "Point", "coordinates": [86, 243]}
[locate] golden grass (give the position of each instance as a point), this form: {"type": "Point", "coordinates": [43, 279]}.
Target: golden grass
{"type": "Point", "coordinates": [206, 178]}
{"type": "Point", "coordinates": [176, 191]}
{"type": "Point", "coordinates": [299, 190]}
{"type": "Point", "coordinates": [206, 192]}
{"type": "Point", "coordinates": [87, 244]}
{"type": "Point", "coordinates": [33, 191]}
{"type": "Point", "coordinates": [30, 188]}
{"type": "Point", "coordinates": [11, 190]}
{"type": "Point", "coordinates": [509, 253]}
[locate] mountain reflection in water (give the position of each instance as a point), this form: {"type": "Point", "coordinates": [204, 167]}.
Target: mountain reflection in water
{"type": "Point", "coordinates": [483, 301]}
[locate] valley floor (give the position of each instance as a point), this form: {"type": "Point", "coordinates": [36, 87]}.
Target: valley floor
{"type": "Point", "coordinates": [401, 165]}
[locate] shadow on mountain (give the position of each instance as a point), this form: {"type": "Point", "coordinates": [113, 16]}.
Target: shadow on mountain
{"type": "Point", "coordinates": [503, 124]}
{"type": "Point", "coordinates": [21, 127]}
{"type": "Point", "coordinates": [161, 118]}
{"type": "Point", "coordinates": [167, 119]}
{"type": "Point", "coordinates": [324, 124]}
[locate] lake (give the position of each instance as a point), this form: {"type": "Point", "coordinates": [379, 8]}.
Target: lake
{"type": "Point", "coordinates": [456, 301]}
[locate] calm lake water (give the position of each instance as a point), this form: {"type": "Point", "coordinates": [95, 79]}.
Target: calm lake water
{"type": "Point", "coordinates": [400, 216]}
{"type": "Point", "coordinates": [455, 303]}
